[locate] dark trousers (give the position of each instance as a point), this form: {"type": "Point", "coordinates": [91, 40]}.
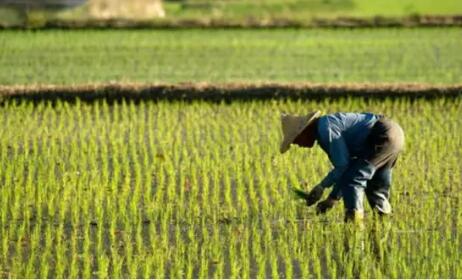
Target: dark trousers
{"type": "Point", "coordinates": [370, 173]}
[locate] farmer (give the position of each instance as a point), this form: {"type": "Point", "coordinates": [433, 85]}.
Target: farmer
{"type": "Point", "coordinates": [363, 148]}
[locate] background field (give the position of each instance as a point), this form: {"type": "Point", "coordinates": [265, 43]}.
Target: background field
{"type": "Point", "coordinates": [305, 9]}
{"type": "Point", "coordinates": [173, 190]}
{"type": "Point", "coordinates": [284, 55]}
{"type": "Point", "coordinates": [237, 11]}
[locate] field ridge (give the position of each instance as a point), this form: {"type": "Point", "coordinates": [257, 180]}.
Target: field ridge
{"type": "Point", "coordinates": [225, 91]}
{"type": "Point", "coordinates": [416, 20]}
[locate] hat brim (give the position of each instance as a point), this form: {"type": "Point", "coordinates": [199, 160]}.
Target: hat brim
{"type": "Point", "coordinates": [288, 140]}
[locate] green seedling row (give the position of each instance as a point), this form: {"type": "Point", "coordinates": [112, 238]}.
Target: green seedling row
{"type": "Point", "coordinates": [199, 190]}
{"type": "Point", "coordinates": [420, 55]}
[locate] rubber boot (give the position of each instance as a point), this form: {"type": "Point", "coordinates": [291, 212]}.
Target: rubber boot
{"type": "Point", "coordinates": [355, 217]}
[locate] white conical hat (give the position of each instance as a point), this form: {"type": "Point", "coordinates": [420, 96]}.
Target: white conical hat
{"type": "Point", "coordinates": [293, 125]}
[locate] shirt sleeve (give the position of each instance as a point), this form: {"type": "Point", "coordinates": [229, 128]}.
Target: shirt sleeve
{"type": "Point", "coordinates": [337, 151]}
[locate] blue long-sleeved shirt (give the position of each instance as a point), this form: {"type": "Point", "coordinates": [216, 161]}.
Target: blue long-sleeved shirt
{"type": "Point", "coordinates": [342, 136]}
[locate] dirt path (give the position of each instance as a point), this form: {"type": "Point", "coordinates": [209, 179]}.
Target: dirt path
{"type": "Point", "coordinates": [224, 92]}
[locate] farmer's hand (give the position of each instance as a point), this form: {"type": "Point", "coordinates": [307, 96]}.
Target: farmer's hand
{"type": "Point", "coordinates": [325, 205]}
{"type": "Point", "coordinates": [314, 195]}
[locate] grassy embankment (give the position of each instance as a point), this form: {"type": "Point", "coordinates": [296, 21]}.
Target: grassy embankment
{"type": "Point", "coordinates": [302, 9]}
{"type": "Point", "coordinates": [264, 13]}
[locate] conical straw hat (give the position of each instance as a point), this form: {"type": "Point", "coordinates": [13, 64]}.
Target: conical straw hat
{"type": "Point", "coordinates": [293, 125]}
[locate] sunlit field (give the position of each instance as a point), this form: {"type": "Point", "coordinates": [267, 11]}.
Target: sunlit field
{"type": "Point", "coordinates": [181, 190]}
{"type": "Point", "coordinates": [423, 55]}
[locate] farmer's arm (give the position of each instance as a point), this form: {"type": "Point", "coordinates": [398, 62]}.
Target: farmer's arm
{"type": "Point", "coordinates": [339, 156]}
{"type": "Point", "coordinates": [334, 145]}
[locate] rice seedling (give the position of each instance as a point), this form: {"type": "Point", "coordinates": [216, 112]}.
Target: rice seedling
{"type": "Point", "coordinates": [426, 55]}
{"type": "Point", "coordinates": [198, 190]}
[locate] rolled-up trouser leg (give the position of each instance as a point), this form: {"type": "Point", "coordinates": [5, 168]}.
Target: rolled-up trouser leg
{"type": "Point", "coordinates": [378, 191]}
{"type": "Point", "coordinates": [353, 183]}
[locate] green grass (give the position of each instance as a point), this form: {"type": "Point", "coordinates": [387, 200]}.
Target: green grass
{"type": "Point", "coordinates": [303, 9]}
{"type": "Point", "coordinates": [176, 190]}
{"type": "Point", "coordinates": [324, 56]}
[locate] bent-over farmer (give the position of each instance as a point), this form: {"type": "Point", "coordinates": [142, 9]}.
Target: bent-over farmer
{"type": "Point", "coordinates": [363, 148]}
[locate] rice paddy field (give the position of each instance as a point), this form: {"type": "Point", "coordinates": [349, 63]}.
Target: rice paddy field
{"type": "Point", "coordinates": [199, 190]}
{"type": "Point", "coordinates": [419, 55]}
